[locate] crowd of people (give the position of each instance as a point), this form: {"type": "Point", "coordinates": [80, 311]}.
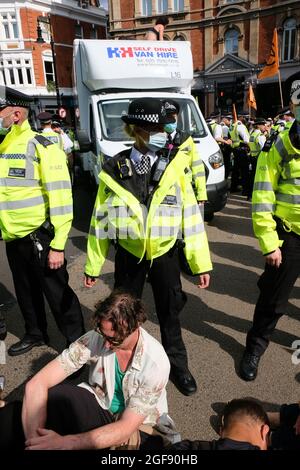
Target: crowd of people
{"type": "Point", "coordinates": [149, 206]}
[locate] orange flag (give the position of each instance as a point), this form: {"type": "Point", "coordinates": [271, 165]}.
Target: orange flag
{"type": "Point", "coordinates": [251, 101]}
{"type": "Point", "coordinates": [234, 115]}
{"type": "Point", "coordinates": [272, 65]}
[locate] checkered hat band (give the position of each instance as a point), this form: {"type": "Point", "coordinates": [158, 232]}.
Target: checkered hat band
{"type": "Point", "coordinates": [144, 117]}
{"type": "Point", "coordinates": [13, 102]}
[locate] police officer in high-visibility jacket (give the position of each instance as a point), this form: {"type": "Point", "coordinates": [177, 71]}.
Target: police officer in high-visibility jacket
{"type": "Point", "coordinates": [276, 222]}
{"type": "Point", "coordinates": [36, 214]}
{"type": "Point", "coordinates": [45, 119]}
{"type": "Point", "coordinates": [146, 203]}
{"type": "Point", "coordinates": [178, 139]}
{"type": "Point", "coordinates": [256, 143]}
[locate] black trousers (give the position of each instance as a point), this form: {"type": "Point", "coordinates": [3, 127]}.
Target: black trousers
{"type": "Point", "coordinates": [70, 410]}
{"type": "Point", "coordinates": [275, 286]}
{"type": "Point", "coordinates": [240, 170]}
{"type": "Point", "coordinates": [33, 279]}
{"type": "Point", "coordinates": [284, 437]}
{"type": "Point", "coordinates": [164, 276]}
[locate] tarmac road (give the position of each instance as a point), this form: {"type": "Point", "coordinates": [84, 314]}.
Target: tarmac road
{"type": "Point", "coordinates": [214, 321]}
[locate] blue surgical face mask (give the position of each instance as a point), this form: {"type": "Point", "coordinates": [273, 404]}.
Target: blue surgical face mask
{"type": "Point", "coordinates": [170, 127]}
{"type": "Point", "coordinates": [157, 140]}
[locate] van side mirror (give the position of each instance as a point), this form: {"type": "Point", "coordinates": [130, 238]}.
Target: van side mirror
{"type": "Point", "coordinates": [85, 145]}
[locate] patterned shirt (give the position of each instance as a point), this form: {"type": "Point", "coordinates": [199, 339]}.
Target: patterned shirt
{"type": "Point", "coordinates": [144, 383]}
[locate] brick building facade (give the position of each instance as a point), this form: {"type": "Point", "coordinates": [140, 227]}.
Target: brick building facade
{"type": "Point", "coordinates": [230, 40]}
{"type": "Point", "coordinates": [28, 57]}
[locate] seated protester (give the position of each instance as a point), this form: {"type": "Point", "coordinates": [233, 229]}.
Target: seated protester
{"type": "Point", "coordinates": [125, 398]}
{"type": "Point", "coordinates": [245, 426]}
{"type": "Point", "coordinates": [285, 426]}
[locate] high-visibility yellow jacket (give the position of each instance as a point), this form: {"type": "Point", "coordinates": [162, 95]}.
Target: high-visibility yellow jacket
{"type": "Point", "coordinates": [288, 125]}
{"type": "Point", "coordinates": [235, 136]}
{"type": "Point", "coordinates": [151, 231]}
{"type": "Point", "coordinates": [197, 171]}
{"type": "Point", "coordinates": [276, 192]}
{"type": "Point", "coordinates": [34, 186]}
{"type": "Point", "coordinates": [255, 148]}
{"type": "Point", "coordinates": [54, 137]}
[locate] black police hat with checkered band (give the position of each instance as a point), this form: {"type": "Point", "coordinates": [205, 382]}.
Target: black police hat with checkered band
{"type": "Point", "coordinates": [11, 97]}
{"type": "Point", "coordinates": [147, 111]}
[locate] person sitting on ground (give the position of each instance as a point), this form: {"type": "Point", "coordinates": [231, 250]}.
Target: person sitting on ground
{"type": "Point", "coordinates": [245, 426]}
{"type": "Point", "coordinates": [157, 32]}
{"type": "Point", "coordinates": [125, 398]}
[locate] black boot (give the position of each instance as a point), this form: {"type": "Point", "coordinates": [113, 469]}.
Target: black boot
{"type": "Point", "coordinates": [249, 366]}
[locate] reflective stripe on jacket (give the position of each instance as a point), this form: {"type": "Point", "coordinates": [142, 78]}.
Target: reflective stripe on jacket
{"type": "Point", "coordinates": [197, 171]}
{"type": "Point", "coordinates": [34, 186]}
{"type": "Point", "coordinates": [173, 214]}
{"type": "Point", "coordinates": [276, 192]}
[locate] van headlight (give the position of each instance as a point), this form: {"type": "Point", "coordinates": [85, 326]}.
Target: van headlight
{"type": "Point", "coordinates": [216, 160]}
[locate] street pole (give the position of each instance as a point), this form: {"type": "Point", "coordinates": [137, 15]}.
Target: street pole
{"type": "Point", "coordinates": [54, 69]}
{"type": "Point", "coordinates": [54, 64]}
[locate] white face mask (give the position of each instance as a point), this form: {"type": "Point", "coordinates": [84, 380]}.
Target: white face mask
{"type": "Point", "coordinates": [5, 129]}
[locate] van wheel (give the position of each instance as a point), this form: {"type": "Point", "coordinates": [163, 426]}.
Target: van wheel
{"type": "Point", "coordinates": [209, 216]}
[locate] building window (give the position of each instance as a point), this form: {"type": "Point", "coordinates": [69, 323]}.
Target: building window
{"type": "Point", "coordinates": [78, 31]}
{"type": "Point", "coordinates": [94, 33]}
{"type": "Point", "coordinates": [146, 7]}
{"type": "Point", "coordinates": [45, 28]}
{"type": "Point", "coordinates": [231, 38]}
{"type": "Point", "coordinates": [49, 72]}
{"type": "Point", "coordinates": [289, 40]}
{"type": "Point", "coordinates": [162, 6]}
{"type": "Point", "coordinates": [178, 5]}
{"type": "Point", "coordinates": [16, 71]}
{"type": "Point", "coordinates": [9, 26]}
{"type": "Point", "coordinates": [179, 37]}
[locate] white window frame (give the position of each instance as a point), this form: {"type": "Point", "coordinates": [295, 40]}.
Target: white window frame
{"type": "Point", "coordinates": [47, 57]}
{"type": "Point", "coordinates": [14, 66]}
{"type": "Point", "coordinates": [178, 6]}
{"type": "Point", "coordinates": [10, 21]}
{"type": "Point", "coordinates": [147, 7]}
{"type": "Point", "coordinates": [288, 37]}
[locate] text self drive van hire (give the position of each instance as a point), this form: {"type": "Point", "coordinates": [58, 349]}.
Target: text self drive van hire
{"type": "Point", "coordinates": [108, 75]}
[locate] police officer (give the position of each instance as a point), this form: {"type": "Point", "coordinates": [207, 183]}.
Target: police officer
{"type": "Point", "coordinates": [146, 203]}
{"type": "Point", "coordinates": [36, 213]}
{"type": "Point", "coordinates": [240, 138]}
{"type": "Point", "coordinates": [256, 143]}
{"type": "Point", "coordinates": [45, 119]}
{"type": "Point", "coordinates": [178, 139]}
{"type": "Point", "coordinates": [276, 222]}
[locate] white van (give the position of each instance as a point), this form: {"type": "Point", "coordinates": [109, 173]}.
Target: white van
{"type": "Point", "coordinates": [108, 75]}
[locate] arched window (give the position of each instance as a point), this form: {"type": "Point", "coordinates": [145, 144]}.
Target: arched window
{"type": "Point", "coordinates": [289, 40]}
{"type": "Point", "coordinates": [231, 41]}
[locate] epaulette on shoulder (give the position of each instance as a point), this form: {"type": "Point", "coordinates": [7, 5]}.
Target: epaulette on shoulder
{"type": "Point", "coordinates": [269, 142]}
{"type": "Point", "coordinates": [43, 140]}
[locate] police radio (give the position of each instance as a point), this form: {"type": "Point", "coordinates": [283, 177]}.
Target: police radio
{"type": "Point", "coordinates": [160, 168]}
{"type": "Point", "coordinates": [269, 142]}
{"type": "Point", "coordinates": [125, 170]}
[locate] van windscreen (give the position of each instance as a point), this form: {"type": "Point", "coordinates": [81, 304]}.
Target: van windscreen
{"type": "Point", "coordinates": [110, 111]}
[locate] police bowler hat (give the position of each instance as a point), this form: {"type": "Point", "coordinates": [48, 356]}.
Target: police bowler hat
{"type": "Point", "coordinates": [11, 97]}
{"type": "Point", "coordinates": [147, 111]}
{"type": "Point", "coordinates": [45, 117]}
{"type": "Point", "coordinates": [259, 121]}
